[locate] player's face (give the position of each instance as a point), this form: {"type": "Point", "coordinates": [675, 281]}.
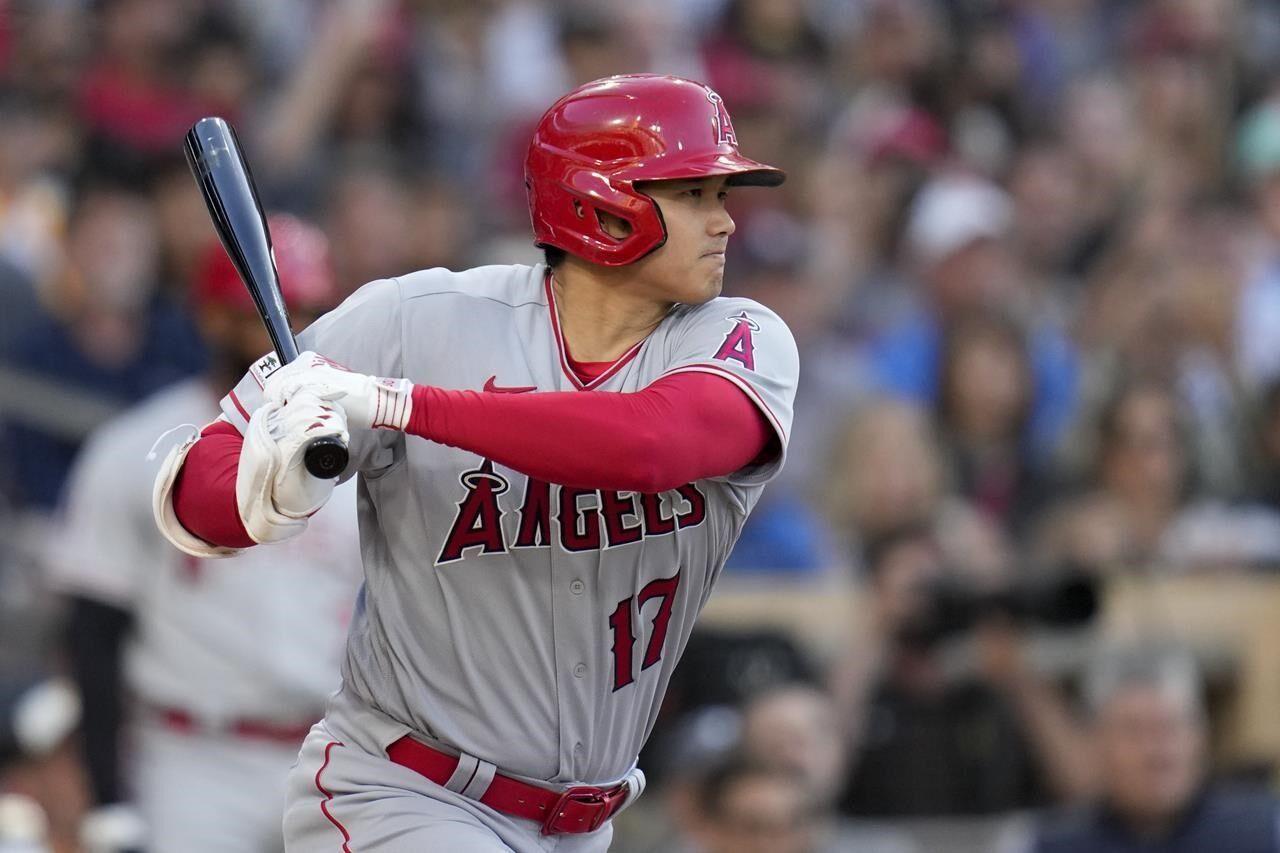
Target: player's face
{"type": "Point", "coordinates": [689, 267]}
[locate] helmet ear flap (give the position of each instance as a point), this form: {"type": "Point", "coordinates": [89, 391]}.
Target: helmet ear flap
{"type": "Point", "coordinates": [585, 194]}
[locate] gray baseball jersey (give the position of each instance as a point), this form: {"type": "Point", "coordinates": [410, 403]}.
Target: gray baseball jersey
{"type": "Point", "coordinates": [528, 624]}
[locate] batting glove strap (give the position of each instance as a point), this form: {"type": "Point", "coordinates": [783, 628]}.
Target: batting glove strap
{"type": "Point", "coordinates": [370, 402]}
{"type": "Point", "coordinates": [393, 403]}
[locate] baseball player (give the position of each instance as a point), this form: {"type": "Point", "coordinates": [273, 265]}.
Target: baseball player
{"type": "Point", "coordinates": [219, 670]}
{"type": "Point", "coordinates": [554, 462]}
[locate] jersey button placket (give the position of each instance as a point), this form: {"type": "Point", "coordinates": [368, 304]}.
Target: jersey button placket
{"type": "Point", "coordinates": [576, 587]}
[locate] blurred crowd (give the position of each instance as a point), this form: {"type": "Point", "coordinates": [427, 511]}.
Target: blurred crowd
{"type": "Point", "coordinates": [1030, 252]}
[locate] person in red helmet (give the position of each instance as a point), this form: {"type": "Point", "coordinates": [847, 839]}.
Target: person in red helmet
{"type": "Point", "coordinates": [225, 311]}
{"type": "Point", "coordinates": [191, 716]}
{"type": "Point", "coordinates": [554, 462]}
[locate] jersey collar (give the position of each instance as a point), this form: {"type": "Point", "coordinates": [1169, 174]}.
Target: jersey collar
{"type": "Point", "coordinates": [563, 352]}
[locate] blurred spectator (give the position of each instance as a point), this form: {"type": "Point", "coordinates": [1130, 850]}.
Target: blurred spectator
{"type": "Point", "coordinates": [1151, 737]}
{"type": "Point", "coordinates": [39, 143]}
{"type": "Point", "coordinates": [897, 48]}
{"type": "Point", "coordinates": [746, 807]}
{"type": "Point", "coordinates": [133, 99]}
{"type": "Point", "coordinates": [1050, 213]}
{"type": "Point", "coordinates": [184, 662]}
{"type": "Point", "coordinates": [48, 58]}
{"type": "Point", "coordinates": [763, 51]}
{"type": "Point", "coordinates": [1265, 484]}
{"type": "Point", "coordinates": [931, 741]}
{"type": "Point", "coordinates": [441, 234]}
{"type": "Point", "coordinates": [350, 97]}
{"type": "Point", "coordinates": [884, 473]}
{"type": "Point", "coordinates": [1180, 69]}
{"type": "Point", "coordinates": [958, 237]}
{"type": "Point", "coordinates": [726, 667]}
{"type": "Point", "coordinates": [1161, 304]}
{"type": "Point", "coordinates": [594, 44]}
{"type": "Point", "coordinates": [1145, 511]}
{"type": "Point", "coordinates": [1258, 159]}
{"type": "Point", "coordinates": [182, 223]}
{"type": "Point", "coordinates": [463, 51]}
{"type": "Point", "coordinates": [881, 152]}
{"type": "Point", "coordinates": [108, 340]}
{"type": "Point", "coordinates": [1100, 134]}
{"type": "Point", "coordinates": [221, 74]}
{"type": "Point", "coordinates": [983, 408]}
{"type": "Point", "coordinates": [793, 726]}
{"type": "Point", "coordinates": [368, 216]}
{"type": "Point", "coordinates": [38, 768]}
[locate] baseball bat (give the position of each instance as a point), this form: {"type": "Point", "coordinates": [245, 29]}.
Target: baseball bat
{"type": "Point", "coordinates": [228, 189]}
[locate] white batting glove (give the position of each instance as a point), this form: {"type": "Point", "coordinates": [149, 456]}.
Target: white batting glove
{"type": "Point", "coordinates": [293, 426]}
{"type": "Point", "coordinates": [370, 402]}
{"type": "Point", "coordinates": [274, 492]}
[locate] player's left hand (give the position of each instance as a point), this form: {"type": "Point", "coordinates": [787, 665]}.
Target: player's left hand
{"type": "Point", "coordinates": [371, 402]}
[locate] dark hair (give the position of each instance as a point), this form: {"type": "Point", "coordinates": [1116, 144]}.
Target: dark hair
{"type": "Point", "coordinates": [717, 781]}
{"type": "Point", "coordinates": [91, 185]}
{"type": "Point", "coordinates": [1268, 401]}
{"type": "Point", "coordinates": [1110, 426]}
{"type": "Point", "coordinates": [875, 549]}
{"type": "Point", "coordinates": [991, 327]}
{"type": "Point", "coordinates": [553, 256]}
{"type": "Point", "coordinates": [215, 30]}
{"type": "Point", "coordinates": [1113, 409]}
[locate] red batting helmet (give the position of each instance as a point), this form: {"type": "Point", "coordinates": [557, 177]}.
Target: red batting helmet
{"type": "Point", "coordinates": [598, 141]}
{"type": "Point", "coordinates": [307, 279]}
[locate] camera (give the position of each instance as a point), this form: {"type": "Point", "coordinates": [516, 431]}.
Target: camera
{"type": "Point", "coordinates": [1063, 598]}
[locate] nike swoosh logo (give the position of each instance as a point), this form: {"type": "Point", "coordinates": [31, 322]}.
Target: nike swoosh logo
{"type": "Point", "coordinates": [491, 388]}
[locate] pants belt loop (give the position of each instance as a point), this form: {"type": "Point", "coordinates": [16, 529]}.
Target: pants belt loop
{"type": "Point", "coordinates": [463, 773]}
{"type": "Point", "coordinates": [480, 782]}
{"type": "Point", "coordinates": [471, 777]}
{"type": "Point", "coordinates": [635, 782]}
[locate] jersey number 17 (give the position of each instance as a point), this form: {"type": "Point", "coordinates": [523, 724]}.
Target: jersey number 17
{"type": "Point", "coordinates": [624, 638]}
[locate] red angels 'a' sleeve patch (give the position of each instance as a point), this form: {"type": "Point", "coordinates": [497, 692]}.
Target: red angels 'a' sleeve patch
{"type": "Point", "coordinates": [738, 345]}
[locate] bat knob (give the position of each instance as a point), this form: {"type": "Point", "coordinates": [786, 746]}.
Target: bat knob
{"type": "Point", "coordinates": [326, 457]}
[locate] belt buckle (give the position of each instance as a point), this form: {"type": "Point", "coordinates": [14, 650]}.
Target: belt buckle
{"type": "Point", "coordinates": [576, 805]}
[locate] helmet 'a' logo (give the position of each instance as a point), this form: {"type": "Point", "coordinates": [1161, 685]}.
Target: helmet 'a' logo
{"type": "Point", "coordinates": [724, 127]}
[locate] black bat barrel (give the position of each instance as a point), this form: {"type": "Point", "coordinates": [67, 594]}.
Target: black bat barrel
{"type": "Point", "coordinates": [228, 189]}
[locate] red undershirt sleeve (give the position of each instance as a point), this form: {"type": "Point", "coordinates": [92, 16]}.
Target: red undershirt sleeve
{"type": "Point", "coordinates": [204, 493]}
{"type": "Point", "coordinates": [684, 427]}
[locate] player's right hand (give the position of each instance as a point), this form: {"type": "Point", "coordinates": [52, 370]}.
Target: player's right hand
{"type": "Point", "coordinates": [274, 492]}
{"type": "Point", "coordinates": [293, 426]}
